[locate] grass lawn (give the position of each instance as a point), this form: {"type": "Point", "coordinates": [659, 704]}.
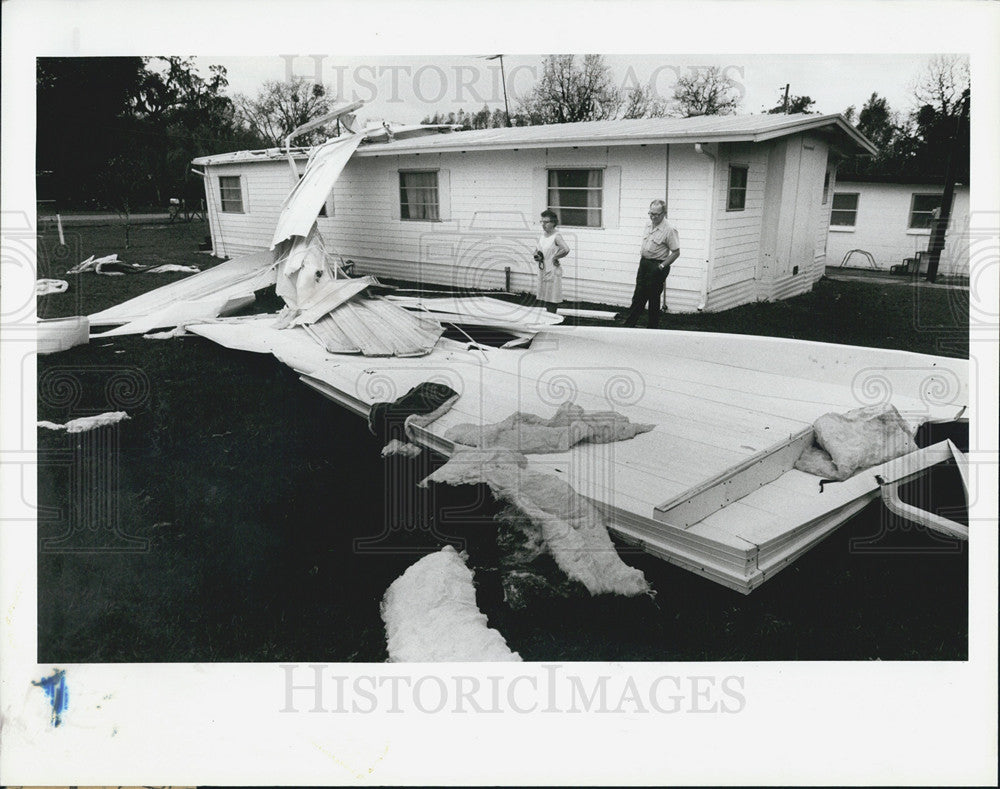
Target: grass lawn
{"type": "Point", "coordinates": [251, 492]}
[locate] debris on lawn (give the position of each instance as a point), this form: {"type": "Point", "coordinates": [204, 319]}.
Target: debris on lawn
{"type": "Point", "coordinates": [573, 528]}
{"type": "Point", "coordinates": [431, 616]}
{"type": "Point", "coordinates": [85, 423]}
{"type": "Point", "coordinates": [60, 334]}
{"type": "Point", "coordinates": [108, 265]}
{"type": "Point", "coordinates": [167, 268]}
{"type": "Point", "coordinates": [43, 287]}
{"type": "Point", "coordinates": [179, 331]}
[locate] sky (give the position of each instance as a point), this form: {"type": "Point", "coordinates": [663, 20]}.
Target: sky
{"type": "Point", "coordinates": [405, 89]}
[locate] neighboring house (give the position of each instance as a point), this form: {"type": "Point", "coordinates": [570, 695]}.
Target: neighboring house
{"type": "Point", "coordinates": [749, 196]}
{"type": "Point", "coordinates": [892, 221]}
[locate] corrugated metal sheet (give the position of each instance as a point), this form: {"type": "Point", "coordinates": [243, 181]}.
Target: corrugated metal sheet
{"type": "Point", "coordinates": [638, 131]}
{"type": "Point", "coordinates": [375, 327]}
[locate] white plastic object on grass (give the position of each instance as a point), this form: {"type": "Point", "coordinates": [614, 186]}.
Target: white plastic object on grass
{"type": "Point", "coordinates": [85, 423]}
{"type": "Point", "coordinates": [431, 616]}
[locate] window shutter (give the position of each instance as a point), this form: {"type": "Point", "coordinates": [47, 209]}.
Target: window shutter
{"type": "Point", "coordinates": [539, 192]}
{"type": "Point", "coordinates": [444, 195]}
{"type": "Point", "coordinates": [612, 196]}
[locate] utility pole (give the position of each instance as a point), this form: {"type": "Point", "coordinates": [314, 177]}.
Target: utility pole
{"type": "Point", "coordinates": [503, 78]}
{"type": "Point", "coordinates": [936, 245]}
{"type": "Point", "coordinates": [785, 105]}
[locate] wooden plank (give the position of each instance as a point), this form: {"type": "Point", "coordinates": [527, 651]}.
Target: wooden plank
{"type": "Point", "coordinates": [734, 483]}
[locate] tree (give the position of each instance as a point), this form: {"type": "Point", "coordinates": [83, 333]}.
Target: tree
{"type": "Point", "coordinates": [877, 121]}
{"type": "Point", "coordinates": [281, 107]}
{"type": "Point", "coordinates": [83, 111]}
{"type": "Point", "coordinates": [183, 114]}
{"type": "Point", "coordinates": [641, 102]}
{"type": "Point", "coordinates": [796, 104]}
{"type": "Point", "coordinates": [570, 91]}
{"type": "Point", "coordinates": [942, 83]}
{"type": "Point", "coordinates": [705, 91]}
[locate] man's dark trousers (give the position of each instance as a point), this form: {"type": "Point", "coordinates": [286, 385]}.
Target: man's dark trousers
{"type": "Point", "coordinates": [648, 290]}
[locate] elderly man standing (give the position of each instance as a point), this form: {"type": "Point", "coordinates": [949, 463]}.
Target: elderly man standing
{"type": "Point", "coordinates": [660, 247]}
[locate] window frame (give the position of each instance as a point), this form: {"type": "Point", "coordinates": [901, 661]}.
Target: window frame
{"type": "Point", "coordinates": [834, 209]}
{"type": "Point", "coordinates": [913, 201]}
{"type": "Point", "coordinates": [404, 206]}
{"type": "Point", "coordinates": [560, 210]}
{"type": "Point", "coordinates": [732, 190]}
{"type": "Point", "coordinates": [223, 199]}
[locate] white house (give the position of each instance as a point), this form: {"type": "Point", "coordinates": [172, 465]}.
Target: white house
{"type": "Point", "coordinates": [749, 195]}
{"type": "Point", "coordinates": [891, 222]}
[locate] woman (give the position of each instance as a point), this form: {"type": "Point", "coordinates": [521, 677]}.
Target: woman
{"type": "Point", "coordinates": [550, 250]}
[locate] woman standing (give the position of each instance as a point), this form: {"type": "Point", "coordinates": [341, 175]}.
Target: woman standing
{"type": "Point", "coordinates": [550, 250]}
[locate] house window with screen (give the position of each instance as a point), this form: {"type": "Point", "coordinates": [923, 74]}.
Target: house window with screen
{"type": "Point", "coordinates": [577, 196]}
{"type": "Point", "coordinates": [231, 194]}
{"type": "Point", "coordinates": [922, 209]}
{"type": "Point", "coordinates": [845, 209]}
{"type": "Point", "coordinates": [737, 199]}
{"type": "Point", "coordinates": [418, 195]}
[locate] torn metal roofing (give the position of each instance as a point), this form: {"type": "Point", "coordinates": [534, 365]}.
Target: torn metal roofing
{"type": "Point", "coordinates": [639, 131]}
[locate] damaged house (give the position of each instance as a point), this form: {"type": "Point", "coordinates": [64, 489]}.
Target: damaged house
{"type": "Point", "coordinates": [749, 195]}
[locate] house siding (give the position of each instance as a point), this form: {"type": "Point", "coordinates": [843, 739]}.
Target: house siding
{"type": "Point", "coordinates": [490, 201]}
{"type": "Point", "coordinates": [736, 239]}
{"type": "Point", "coordinates": [881, 228]}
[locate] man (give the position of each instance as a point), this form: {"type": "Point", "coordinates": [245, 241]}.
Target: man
{"type": "Point", "coordinates": [660, 247]}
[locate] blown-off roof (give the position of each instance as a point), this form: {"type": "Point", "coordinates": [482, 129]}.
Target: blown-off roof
{"type": "Point", "coordinates": [640, 131]}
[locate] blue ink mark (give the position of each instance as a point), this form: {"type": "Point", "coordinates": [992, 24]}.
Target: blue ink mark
{"type": "Point", "coordinates": [55, 689]}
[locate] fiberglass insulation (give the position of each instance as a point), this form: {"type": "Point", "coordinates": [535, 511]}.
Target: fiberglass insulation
{"type": "Point", "coordinates": [572, 528]}
{"type": "Point", "coordinates": [430, 615]}
{"type": "Point", "coordinates": [858, 439]}
{"type": "Point", "coordinates": [529, 433]}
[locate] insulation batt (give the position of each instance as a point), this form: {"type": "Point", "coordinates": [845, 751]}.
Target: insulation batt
{"type": "Point", "coordinates": [861, 438]}
{"type": "Point", "coordinates": [573, 529]}
{"type": "Point", "coordinates": [431, 616]}
{"type": "Point", "coordinates": [529, 433]}
{"type": "Point", "coordinates": [85, 423]}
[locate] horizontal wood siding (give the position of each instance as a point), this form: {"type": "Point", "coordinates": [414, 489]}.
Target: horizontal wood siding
{"type": "Point", "coordinates": [265, 186]}
{"type": "Point", "coordinates": [493, 221]}
{"type": "Point", "coordinates": [819, 261]}
{"type": "Point", "coordinates": [737, 233]}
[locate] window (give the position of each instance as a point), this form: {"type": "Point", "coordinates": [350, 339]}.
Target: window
{"type": "Point", "coordinates": [418, 195]}
{"type": "Point", "coordinates": [327, 202]}
{"type": "Point", "coordinates": [845, 209]}
{"type": "Point", "coordinates": [231, 194]}
{"type": "Point", "coordinates": [737, 200]}
{"type": "Point", "coordinates": [922, 208]}
{"type": "Point", "coordinates": [577, 196]}
{"type": "Point", "coordinates": [826, 187]}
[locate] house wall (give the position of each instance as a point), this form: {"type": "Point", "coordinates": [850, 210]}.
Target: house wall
{"type": "Point", "coordinates": [881, 228]}
{"type": "Point", "coordinates": [737, 234]}
{"type": "Point", "coordinates": [265, 185]}
{"type": "Point", "coordinates": [792, 248]}
{"type": "Point", "coordinates": [490, 201]}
